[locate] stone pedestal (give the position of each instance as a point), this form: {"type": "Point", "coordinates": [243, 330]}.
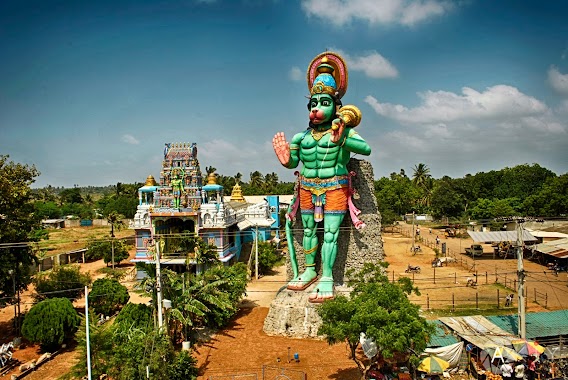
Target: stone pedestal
{"type": "Point", "coordinates": [290, 313]}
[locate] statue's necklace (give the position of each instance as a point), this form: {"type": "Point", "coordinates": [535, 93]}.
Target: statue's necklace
{"type": "Point", "coordinates": [317, 135]}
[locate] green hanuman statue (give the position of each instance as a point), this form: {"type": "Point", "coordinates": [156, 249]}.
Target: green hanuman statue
{"type": "Point", "coordinates": [323, 191]}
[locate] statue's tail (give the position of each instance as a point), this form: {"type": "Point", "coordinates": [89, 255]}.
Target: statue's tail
{"type": "Point", "coordinates": [290, 215]}
{"type": "Point", "coordinates": [291, 249]}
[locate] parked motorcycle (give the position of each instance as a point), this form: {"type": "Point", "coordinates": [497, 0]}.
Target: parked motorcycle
{"type": "Point", "coordinates": [412, 269]}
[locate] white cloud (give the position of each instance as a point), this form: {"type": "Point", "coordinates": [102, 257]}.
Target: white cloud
{"type": "Point", "coordinates": [373, 65]}
{"type": "Point", "coordinates": [296, 74]}
{"type": "Point", "coordinates": [497, 102]}
{"type": "Point", "coordinates": [557, 80]}
{"type": "Point", "coordinates": [129, 139]}
{"type": "Point", "coordinates": [404, 12]}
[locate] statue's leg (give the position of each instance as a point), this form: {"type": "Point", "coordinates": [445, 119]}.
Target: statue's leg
{"type": "Point", "coordinates": [335, 209]}
{"type": "Point", "coordinates": [309, 244]}
{"type": "Point", "coordinates": [324, 288]}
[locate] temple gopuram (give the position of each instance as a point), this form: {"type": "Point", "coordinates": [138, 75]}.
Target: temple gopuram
{"type": "Point", "coordinates": [181, 205]}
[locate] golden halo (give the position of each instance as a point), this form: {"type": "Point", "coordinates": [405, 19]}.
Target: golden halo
{"type": "Point", "coordinates": [339, 70]}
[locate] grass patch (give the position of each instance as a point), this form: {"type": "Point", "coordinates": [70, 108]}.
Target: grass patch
{"type": "Point", "coordinates": [117, 273]}
{"type": "Point", "coordinates": [73, 238]}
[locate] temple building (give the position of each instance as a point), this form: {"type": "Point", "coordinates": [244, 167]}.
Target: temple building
{"type": "Point", "coordinates": [180, 205]}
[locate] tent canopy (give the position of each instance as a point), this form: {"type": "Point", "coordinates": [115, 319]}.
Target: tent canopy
{"type": "Point", "coordinates": [499, 236]}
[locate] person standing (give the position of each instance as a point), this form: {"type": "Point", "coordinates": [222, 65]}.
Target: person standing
{"type": "Point", "coordinates": [519, 371]}
{"type": "Point", "coordinates": [531, 367]}
{"type": "Point", "coordinates": [506, 370]}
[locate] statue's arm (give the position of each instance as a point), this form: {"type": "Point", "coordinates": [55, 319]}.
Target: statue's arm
{"type": "Point", "coordinates": [295, 150]}
{"type": "Point", "coordinates": [355, 143]}
{"type": "Point", "coordinates": [288, 153]}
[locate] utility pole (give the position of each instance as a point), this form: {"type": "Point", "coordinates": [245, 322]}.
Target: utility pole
{"type": "Point", "coordinates": [159, 285]}
{"type": "Point", "coordinates": [256, 249]}
{"type": "Point", "coordinates": [87, 333]}
{"type": "Point", "coordinates": [521, 280]}
{"type": "Point", "coordinates": [413, 234]}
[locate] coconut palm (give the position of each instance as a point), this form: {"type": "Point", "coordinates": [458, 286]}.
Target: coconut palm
{"type": "Point", "coordinates": [420, 175]}
{"type": "Point", "coordinates": [256, 180]}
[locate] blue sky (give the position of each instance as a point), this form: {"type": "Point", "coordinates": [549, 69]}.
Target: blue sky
{"type": "Point", "coordinates": [91, 90]}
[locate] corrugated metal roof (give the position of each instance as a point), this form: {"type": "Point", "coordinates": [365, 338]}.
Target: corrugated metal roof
{"type": "Point", "coordinates": [495, 236]}
{"type": "Point", "coordinates": [443, 336]}
{"type": "Point", "coordinates": [479, 330]}
{"type": "Point", "coordinates": [547, 234]}
{"type": "Point", "coordinates": [538, 325]}
{"type": "Point", "coordinates": [557, 248]}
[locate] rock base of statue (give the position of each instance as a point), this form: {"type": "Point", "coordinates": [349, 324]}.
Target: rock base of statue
{"type": "Point", "coordinates": [291, 314]}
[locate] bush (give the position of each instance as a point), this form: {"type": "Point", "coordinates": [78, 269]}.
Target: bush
{"type": "Point", "coordinates": [184, 367]}
{"type": "Point", "coordinates": [108, 296]}
{"type": "Point", "coordinates": [135, 315]}
{"type": "Point", "coordinates": [267, 257]}
{"type": "Point", "coordinates": [63, 281]}
{"type": "Point", "coordinates": [50, 323]}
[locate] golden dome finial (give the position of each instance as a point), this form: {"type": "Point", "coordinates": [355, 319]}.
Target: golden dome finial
{"type": "Point", "coordinates": [212, 179]}
{"type": "Point", "coordinates": [150, 181]}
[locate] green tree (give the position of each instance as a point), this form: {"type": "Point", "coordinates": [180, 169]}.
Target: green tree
{"type": "Point", "coordinates": [420, 175]}
{"type": "Point", "coordinates": [72, 195]}
{"type": "Point", "coordinates": [108, 296]}
{"type": "Point", "coordinates": [267, 257]}
{"type": "Point", "coordinates": [381, 310]}
{"type": "Point", "coordinates": [62, 281]}
{"type": "Point", "coordinates": [100, 348]}
{"type": "Point", "coordinates": [50, 323]}
{"type": "Point", "coordinates": [446, 200]}
{"type": "Point", "coordinates": [256, 181]}
{"type": "Point", "coordinates": [18, 224]}
{"type": "Point", "coordinates": [135, 315]}
{"type": "Point", "coordinates": [47, 210]}
{"type": "Point", "coordinates": [550, 200]}
{"type": "Point", "coordinates": [116, 223]}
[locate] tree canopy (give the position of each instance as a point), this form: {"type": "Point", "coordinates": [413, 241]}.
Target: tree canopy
{"type": "Point", "coordinates": [18, 225]}
{"type": "Point", "coordinates": [379, 309]}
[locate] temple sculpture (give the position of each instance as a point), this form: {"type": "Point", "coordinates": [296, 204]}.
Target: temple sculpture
{"type": "Point", "coordinates": [323, 190]}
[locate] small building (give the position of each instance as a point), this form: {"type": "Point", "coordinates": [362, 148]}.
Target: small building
{"type": "Point", "coordinates": [53, 223]}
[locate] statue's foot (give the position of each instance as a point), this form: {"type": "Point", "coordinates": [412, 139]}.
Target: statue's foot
{"type": "Point", "coordinates": [303, 281]}
{"type": "Point", "coordinates": [323, 291]}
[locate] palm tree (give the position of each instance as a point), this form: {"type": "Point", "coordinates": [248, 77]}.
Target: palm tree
{"type": "Point", "coordinates": [256, 180]}
{"type": "Point", "coordinates": [115, 221]}
{"type": "Point", "coordinates": [420, 175]}
{"type": "Point", "coordinates": [271, 182]}
{"type": "Point", "coordinates": [238, 177]}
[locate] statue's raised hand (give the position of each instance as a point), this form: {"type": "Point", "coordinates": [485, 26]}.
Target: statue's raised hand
{"type": "Point", "coordinates": [337, 129]}
{"type": "Point", "coordinates": [281, 148]}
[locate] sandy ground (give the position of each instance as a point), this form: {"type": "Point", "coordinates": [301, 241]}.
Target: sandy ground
{"type": "Point", "coordinates": [243, 348]}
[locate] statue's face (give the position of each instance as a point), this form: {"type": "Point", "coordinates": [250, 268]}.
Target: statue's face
{"type": "Point", "coordinates": [322, 108]}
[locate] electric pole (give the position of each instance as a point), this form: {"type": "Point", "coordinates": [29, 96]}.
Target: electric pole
{"type": "Point", "coordinates": [521, 278]}
{"type": "Point", "coordinates": [159, 285]}
{"type": "Point", "coordinates": [256, 249]}
{"type": "Point", "coordinates": [87, 333]}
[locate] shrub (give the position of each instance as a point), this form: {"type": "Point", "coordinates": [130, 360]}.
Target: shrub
{"type": "Point", "coordinates": [184, 367]}
{"type": "Point", "coordinates": [267, 257]}
{"type": "Point", "coordinates": [51, 322]}
{"type": "Point", "coordinates": [108, 296]}
{"type": "Point", "coordinates": [63, 281]}
{"type": "Point", "coordinates": [135, 315]}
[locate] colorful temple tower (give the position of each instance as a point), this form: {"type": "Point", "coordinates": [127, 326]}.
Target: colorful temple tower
{"type": "Point", "coordinates": [180, 206]}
